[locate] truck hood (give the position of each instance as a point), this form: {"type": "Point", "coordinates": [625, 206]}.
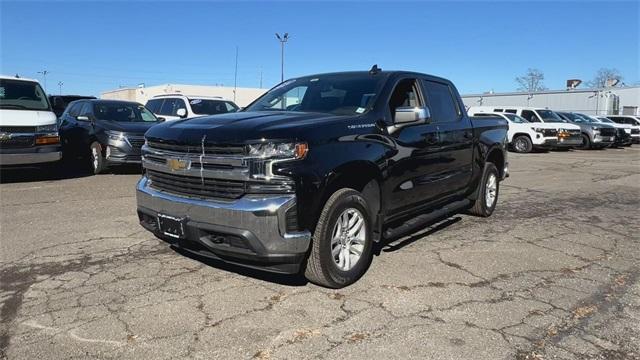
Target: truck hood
{"type": "Point", "coordinates": [127, 127]}
{"type": "Point", "coordinates": [241, 127]}
{"type": "Point", "coordinates": [10, 117]}
{"type": "Point", "coordinates": [558, 125]}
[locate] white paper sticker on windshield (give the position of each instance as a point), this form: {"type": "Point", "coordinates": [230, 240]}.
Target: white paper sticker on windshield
{"type": "Point", "coordinates": [195, 101]}
{"type": "Point", "coordinates": [314, 80]}
{"type": "Point", "coordinates": [360, 110]}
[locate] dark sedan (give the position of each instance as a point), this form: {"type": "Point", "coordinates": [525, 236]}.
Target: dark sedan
{"type": "Point", "coordinates": [105, 132]}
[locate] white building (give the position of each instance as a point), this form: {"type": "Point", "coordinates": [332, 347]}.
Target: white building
{"type": "Point", "coordinates": [617, 100]}
{"type": "Point", "coordinates": [241, 96]}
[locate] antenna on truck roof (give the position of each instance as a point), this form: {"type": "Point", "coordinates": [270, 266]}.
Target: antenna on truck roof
{"type": "Point", "coordinates": [374, 69]}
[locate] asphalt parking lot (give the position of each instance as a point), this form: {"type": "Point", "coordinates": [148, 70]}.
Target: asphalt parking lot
{"type": "Point", "coordinates": [554, 273]}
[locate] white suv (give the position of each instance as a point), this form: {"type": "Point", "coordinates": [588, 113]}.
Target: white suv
{"type": "Point", "coordinates": [178, 106]}
{"type": "Point", "coordinates": [568, 134]}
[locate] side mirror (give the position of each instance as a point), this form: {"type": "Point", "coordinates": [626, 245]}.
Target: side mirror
{"type": "Point", "coordinates": [82, 118]}
{"type": "Point", "coordinates": [409, 115]}
{"type": "Point", "coordinates": [182, 112]}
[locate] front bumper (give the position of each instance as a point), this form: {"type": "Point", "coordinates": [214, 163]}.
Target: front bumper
{"type": "Point", "coordinates": [569, 141]}
{"type": "Point", "coordinates": [32, 155]}
{"type": "Point", "coordinates": [118, 152]}
{"type": "Point", "coordinates": [250, 231]}
{"type": "Point", "coordinates": [604, 140]}
{"type": "Point", "coordinates": [545, 142]}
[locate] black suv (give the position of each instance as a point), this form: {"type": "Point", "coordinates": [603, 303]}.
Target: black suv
{"type": "Point", "coordinates": [106, 132]}
{"type": "Point", "coordinates": [319, 168]}
{"type": "Point", "coordinates": [59, 103]}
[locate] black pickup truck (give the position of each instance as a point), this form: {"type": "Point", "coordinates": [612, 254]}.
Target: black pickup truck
{"type": "Point", "coordinates": [313, 173]}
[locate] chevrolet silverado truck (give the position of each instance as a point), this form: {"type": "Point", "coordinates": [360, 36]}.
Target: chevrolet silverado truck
{"type": "Point", "coordinates": [314, 172]}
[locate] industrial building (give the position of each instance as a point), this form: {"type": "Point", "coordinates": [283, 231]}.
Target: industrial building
{"type": "Point", "coordinates": [613, 100]}
{"type": "Point", "coordinates": [241, 96]}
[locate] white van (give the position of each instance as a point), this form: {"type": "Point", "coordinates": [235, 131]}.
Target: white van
{"type": "Point", "coordinates": [568, 134]}
{"type": "Point", "coordinates": [28, 126]}
{"type": "Point", "coordinates": [524, 136]}
{"type": "Point", "coordinates": [179, 106]}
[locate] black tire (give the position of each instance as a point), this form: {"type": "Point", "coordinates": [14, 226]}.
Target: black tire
{"type": "Point", "coordinates": [97, 162]}
{"type": "Point", "coordinates": [480, 206]}
{"type": "Point", "coordinates": [522, 144]}
{"type": "Point", "coordinates": [321, 266]}
{"type": "Point", "coordinates": [586, 142]}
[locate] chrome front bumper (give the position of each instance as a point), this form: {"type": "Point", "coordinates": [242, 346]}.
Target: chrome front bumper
{"type": "Point", "coordinates": [31, 157]}
{"type": "Point", "coordinates": [250, 231]}
{"type": "Point", "coordinates": [603, 139]}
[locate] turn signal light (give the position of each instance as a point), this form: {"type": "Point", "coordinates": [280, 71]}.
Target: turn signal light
{"type": "Point", "coordinates": [47, 140]}
{"type": "Point", "coordinates": [301, 150]}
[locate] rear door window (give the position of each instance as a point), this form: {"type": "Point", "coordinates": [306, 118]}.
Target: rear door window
{"type": "Point", "coordinates": [441, 102]}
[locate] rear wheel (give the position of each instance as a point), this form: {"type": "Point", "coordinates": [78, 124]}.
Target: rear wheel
{"type": "Point", "coordinates": [342, 242]}
{"type": "Point", "coordinates": [522, 144]}
{"type": "Point", "coordinates": [97, 162]}
{"type": "Point", "coordinates": [488, 190]}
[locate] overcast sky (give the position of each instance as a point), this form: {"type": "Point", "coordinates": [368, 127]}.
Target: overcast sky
{"type": "Point", "coordinates": [97, 46]}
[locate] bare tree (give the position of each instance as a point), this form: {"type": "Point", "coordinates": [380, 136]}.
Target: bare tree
{"type": "Point", "coordinates": [532, 81]}
{"type": "Point", "coordinates": [604, 74]}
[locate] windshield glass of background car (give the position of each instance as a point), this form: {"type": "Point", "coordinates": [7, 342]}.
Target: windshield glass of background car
{"type": "Point", "coordinates": [335, 94]}
{"type": "Point", "coordinates": [123, 112]}
{"type": "Point", "coordinates": [516, 119]}
{"type": "Point", "coordinates": [22, 95]}
{"type": "Point", "coordinates": [211, 107]}
{"type": "Point", "coordinates": [549, 115]}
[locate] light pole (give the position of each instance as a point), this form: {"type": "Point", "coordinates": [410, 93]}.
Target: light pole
{"type": "Point", "coordinates": [44, 76]}
{"type": "Point", "coordinates": [283, 39]}
{"type": "Point", "coordinates": [60, 83]}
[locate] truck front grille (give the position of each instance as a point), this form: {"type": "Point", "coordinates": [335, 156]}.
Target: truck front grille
{"type": "Point", "coordinates": [136, 141]}
{"type": "Point", "coordinates": [191, 149]}
{"type": "Point", "coordinates": [635, 131]}
{"type": "Point", "coordinates": [550, 132]}
{"type": "Point", "coordinates": [17, 142]}
{"type": "Point", "coordinates": [195, 186]}
{"type": "Point", "coordinates": [18, 129]}
{"type": "Point", "coordinates": [607, 131]}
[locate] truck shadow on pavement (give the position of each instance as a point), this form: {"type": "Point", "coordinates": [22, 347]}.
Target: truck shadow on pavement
{"type": "Point", "coordinates": [387, 245]}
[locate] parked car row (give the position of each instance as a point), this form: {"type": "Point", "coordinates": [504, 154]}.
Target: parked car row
{"type": "Point", "coordinates": [36, 129]}
{"type": "Point", "coordinates": [532, 128]}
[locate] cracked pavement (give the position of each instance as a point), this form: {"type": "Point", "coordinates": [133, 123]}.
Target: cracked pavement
{"type": "Point", "coordinates": [553, 274]}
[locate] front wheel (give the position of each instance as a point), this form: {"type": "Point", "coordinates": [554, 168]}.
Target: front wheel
{"type": "Point", "coordinates": [522, 144]}
{"type": "Point", "coordinates": [342, 241]}
{"type": "Point", "coordinates": [97, 162]}
{"type": "Point", "coordinates": [488, 189]}
{"type": "Point", "coordinates": [586, 142]}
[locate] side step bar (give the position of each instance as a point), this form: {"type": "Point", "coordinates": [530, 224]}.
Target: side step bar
{"type": "Point", "coordinates": [420, 221]}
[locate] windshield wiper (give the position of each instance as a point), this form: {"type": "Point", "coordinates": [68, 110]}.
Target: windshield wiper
{"type": "Point", "coordinates": [12, 106]}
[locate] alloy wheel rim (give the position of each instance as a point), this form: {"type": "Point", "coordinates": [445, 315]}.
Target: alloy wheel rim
{"type": "Point", "coordinates": [348, 239]}
{"type": "Point", "coordinates": [491, 190]}
{"type": "Point", "coordinates": [520, 145]}
{"type": "Point", "coordinates": [94, 154]}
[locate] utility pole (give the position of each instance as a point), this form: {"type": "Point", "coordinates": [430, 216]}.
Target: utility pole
{"type": "Point", "coordinates": [283, 39]}
{"type": "Point", "coordinates": [44, 76]}
{"type": "Point", "coordinates": [235, 78]}
{"type": "Point", "coordinates": [60, 83]}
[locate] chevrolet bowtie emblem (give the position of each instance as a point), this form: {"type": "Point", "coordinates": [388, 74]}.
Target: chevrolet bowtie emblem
{"type": "Point", "coordinates": [5, 136]}
{"type": "Point", "coordinates": [178, 164]}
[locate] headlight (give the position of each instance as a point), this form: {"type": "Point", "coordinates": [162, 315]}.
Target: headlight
{"type": "Point", "coordinates": [116, 135]}
{"type": "Point", "coordinates": [595, 128]}
{"type": "Point", "coordinates": [540, 130]}
{"type": "Point", "coordinates": [279, 150]}
{"type": "Point", "coordinates": [47, 128]}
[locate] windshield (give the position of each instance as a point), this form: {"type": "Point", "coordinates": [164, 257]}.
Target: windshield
{"type": "Point", "coordinates": [211, 107]}
{"type": "Point", "coordinates": [123, 112]}
{"type": "Point", "coordinates": [606, 120]}
{"type": "Point", "coordinates": [22, 95]}
{"type": "Point", "coordinates": [516, 119]}
{"type": "Point", "coordinates": [339, 94]}
{"type": "Point", "coordinates": [586, 118]}
{"type": "Point", "coordinates": [548, 115]}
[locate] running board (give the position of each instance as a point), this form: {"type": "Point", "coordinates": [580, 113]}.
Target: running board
{"type": "Point", "coordinates": [420, 221]}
